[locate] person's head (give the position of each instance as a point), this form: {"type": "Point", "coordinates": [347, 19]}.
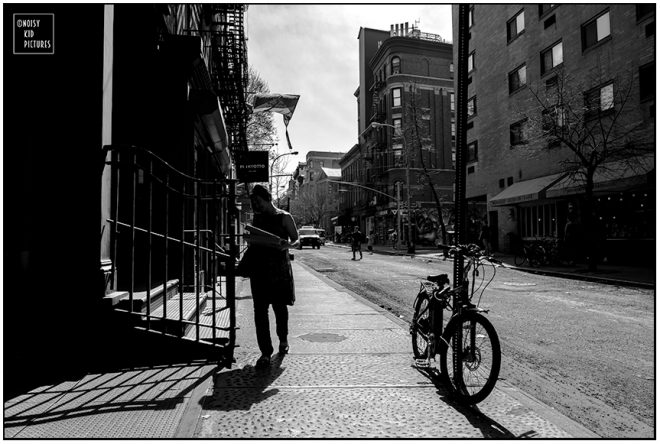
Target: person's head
{"type": "Point", "coordinates": [356, 228]}
{"type": "Point", "coordinates": [260, 198]}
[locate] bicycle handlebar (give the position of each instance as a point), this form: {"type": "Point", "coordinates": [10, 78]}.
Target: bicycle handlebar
{"type": "Point", "coordinates": [473, 251]}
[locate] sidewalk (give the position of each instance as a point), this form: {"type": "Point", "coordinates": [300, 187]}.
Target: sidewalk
{"type": "Point", "coordinates": [349, 374]}
{"type": "Point", "coordinates": [623, 275]}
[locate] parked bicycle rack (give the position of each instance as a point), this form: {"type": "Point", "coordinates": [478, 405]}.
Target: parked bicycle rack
{"type": "Point", "coordinates": [173, 250]}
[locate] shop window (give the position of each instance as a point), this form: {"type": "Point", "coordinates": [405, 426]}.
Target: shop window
{"type": "Point", "coordinates": [515, 26]}
{"type": "Point", "coordinates": [552, 57]}
{"type": "Point", "coordinates": [596, 30]}
{"type": "Point", "coordinates": [517, 78]}
{"type": "Point", "coordinates": [538, 221]}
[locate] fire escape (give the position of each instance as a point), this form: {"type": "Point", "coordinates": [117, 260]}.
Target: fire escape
{"type": "Point", "coordinates": [229, 71]}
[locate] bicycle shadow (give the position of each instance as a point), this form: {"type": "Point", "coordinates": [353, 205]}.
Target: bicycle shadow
{"type": "Point", "coordinates": [490, 428]}
{"type": "Point", "coordinates": [241, 388]}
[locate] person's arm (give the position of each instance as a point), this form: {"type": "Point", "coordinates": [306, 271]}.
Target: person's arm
{"type": "Point", "coordinates": [292, 232]}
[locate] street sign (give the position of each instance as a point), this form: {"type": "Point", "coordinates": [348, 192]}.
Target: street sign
{"type": "Point", "coordinates": [252, 166]}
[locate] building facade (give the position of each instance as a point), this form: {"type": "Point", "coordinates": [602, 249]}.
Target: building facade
{"type": "Point", "coordinates": [525, 183]}
{"type": "Point", "coordinates": [403, 159]}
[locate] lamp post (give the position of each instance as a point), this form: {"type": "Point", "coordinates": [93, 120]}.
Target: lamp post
{"type": "Point", "coordinates": [397, 199]}
{"type": "Point", "coordinates": [411, 242]}
{"type": "Point", "coordinates": [270, 183]}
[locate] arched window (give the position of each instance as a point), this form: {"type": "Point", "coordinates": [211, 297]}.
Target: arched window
{"type": "Point", "coordinates": [396, 65]}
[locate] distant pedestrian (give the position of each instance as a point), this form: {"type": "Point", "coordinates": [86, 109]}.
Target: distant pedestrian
{"type": "Point", "coordinates": [370, 242]}
{"type": "Point", "coordinates": [571, 239]}
{"type": "Point", "coordinates": [356, 242]}
{"type": "Point", "coordinates": [393, 239]}
{"type": "Point", "coordinates": [484, 237]}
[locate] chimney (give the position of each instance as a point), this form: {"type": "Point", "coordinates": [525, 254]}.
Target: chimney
{"type": "Point", "coordinates": [397, 29]}
{"type": "Point", "coordinates": [406, 34]}
{"type": "Point", "coordinates": [391, 30]}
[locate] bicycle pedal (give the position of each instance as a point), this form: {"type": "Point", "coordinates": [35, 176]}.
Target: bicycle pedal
{"type": "Point", "coordinates": [422, 363]}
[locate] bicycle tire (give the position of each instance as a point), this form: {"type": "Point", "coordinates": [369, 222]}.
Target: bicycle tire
{"type": "Point", "coordinates": [519, 259]}
{"type": "Point", "coordinates": [421, 327]}
{"type": "Point", "coordinates": [480, 371]}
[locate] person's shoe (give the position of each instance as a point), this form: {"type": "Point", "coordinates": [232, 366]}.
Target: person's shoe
{"type": "Point", "coordinates": [353, 259]}
{"type": "Point", "coordinates": [263, 362]}
{"type": "Point", "coordinates": [284, 349]}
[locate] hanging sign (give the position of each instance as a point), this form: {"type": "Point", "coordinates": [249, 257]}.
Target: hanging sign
{"type": "Point", "coordinates": [252, 166]}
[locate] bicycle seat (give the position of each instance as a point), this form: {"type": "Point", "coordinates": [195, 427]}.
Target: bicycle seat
{"type": "Point", "coordinates": [440, 279]}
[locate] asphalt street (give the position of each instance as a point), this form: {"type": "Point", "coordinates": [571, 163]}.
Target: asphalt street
{"type": "Point", "coordinates": [585, 349]}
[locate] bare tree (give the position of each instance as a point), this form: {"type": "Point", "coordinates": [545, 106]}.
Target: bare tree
{"type": "Point", "coordinates": [597, 122]}
{"type": "Point", "coordinates": [420, 141]}
{"type": "Point", "coordinates": [311, 205]}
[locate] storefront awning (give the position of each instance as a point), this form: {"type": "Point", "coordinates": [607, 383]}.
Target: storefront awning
{"type": "Point", "coordinates": [527, 190]}
{"type": "Point", "coordinates": [609, 177]}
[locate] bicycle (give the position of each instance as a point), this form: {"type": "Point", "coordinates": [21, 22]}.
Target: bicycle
{"type": "Point", "coordinates": [534, 254]}
{"type": "Point", "coordinates": [469, 348]}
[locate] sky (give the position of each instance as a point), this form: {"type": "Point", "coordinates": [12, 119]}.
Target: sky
{"type": "Point", "coordinates": [312, 51]}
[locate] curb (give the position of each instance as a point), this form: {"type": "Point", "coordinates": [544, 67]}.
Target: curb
{"type": "Point", "coordinates": [575, 429]}
{"type": "Point", "coordinates": [559, 274]}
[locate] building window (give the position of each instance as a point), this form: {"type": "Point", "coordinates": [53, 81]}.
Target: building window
{"type": "Point", "coordinates": [470, 62]}
{"type": "Point", "coordinates": [596, 30]}
{"type": "Point", "coordinates": [396, 97]}
{"type": "Point", "coordinates": [554, 118]}
{"type": "Point", "coordinates": [471, 16]}
{"type": "Point", "coordinates": [538, 221]}
{"type": "Point", "coordinates": [517, 78]}
{"type": "Point", "coordinates": [397, 151]}
{"type": "Point", "coordinates": [552, 57]}
{"type": "Point", "coordinates": [647, 82]}
{"type": "Point", "coordinates": [599, 100]}
{"type": "Point", "coordinates": [470, 169]}
{"type": "Point", "coordinates": [452, 102]}
{"type": "Point", "coordinates": [473, 151]}
{"type": "Point", "coordinates": [396, 65]}
{"type": "Point", "coordinates": [549, 21]}
{"type": "Point", "coordinates": [470, 125]}
{"type": "Point", "coordinates": [516, 133]}
{"type": "Point", "coordinates": [644, 9]}
{"type": "Point", "coordinates": [453, 130]}
{"type": "Point", "coordinates": [545, 8]}
{"type": "Point", "coordinates": [451, 67]}
{"type": "Point", "coordinates": [515, 26]}
{"type": "Point", "coordinates": [650, 29]}
{"type": "Point", "coordinates": [472, 106]}
{"type": "Point", "coordinates": [509, 181]}
{"type": "Point", "coordinates": [501, 183]}
{"type": "Point", "coordinates": [396, 123]}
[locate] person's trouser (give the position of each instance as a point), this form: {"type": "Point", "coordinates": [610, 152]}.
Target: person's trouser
{"type": "Point", "coordinates": [262, 324]}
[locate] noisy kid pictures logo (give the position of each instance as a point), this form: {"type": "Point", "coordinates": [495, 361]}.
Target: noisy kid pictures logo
{"type": "Point", "coordinates": [34, 33]}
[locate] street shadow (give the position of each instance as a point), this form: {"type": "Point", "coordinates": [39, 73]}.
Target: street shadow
{"type": "Point", "coordinates": [490, 428]}
{"type": "Point", "coordinates": [241, 388]}
{"type": "Point", "coordinates": [120, 390]}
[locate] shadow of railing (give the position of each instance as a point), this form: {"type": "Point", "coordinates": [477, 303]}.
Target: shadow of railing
{"type": "Point", "coordinates": [122, 390]}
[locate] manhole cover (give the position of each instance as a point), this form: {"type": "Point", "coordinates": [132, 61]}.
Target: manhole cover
{"type": "Point", "coordinates": [322, 337]}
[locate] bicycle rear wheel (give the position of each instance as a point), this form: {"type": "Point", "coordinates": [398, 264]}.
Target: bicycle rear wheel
{"type": "Point", "coordinates": [471, 341]}
{"type": "Point", "coordinates": [420, 329]}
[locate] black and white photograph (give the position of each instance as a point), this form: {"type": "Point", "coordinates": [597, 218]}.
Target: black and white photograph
{"type": "Point", "coordinates": [351, 221]}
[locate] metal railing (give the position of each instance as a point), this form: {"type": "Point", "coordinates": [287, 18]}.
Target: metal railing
{"type": "Point", "coordinates": [173, 285]}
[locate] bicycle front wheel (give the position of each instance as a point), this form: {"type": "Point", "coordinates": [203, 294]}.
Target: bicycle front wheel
{"type": "Point", "coordinates": [420, 328]}
{"type": "Point", "coordinates": [470, 357]}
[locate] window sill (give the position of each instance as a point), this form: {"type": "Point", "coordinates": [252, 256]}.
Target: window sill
{"type": "Point", "coordinates": [516, 91]}
{"type": "Point", "coordinates": [597, 45]}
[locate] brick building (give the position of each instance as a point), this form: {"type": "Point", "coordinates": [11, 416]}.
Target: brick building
{"type": "Point", "coordinates": [513, 178]}
{"type": "Point", "coordinates": [405, 121]}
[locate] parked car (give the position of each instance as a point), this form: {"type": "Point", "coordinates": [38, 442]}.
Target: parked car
{"type": "Point", "coordinates": [308, 236]}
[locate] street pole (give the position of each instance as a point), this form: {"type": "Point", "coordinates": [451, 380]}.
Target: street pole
{"type": "Point", "coordinates": [411, 241]}
{"type": "Point", "coordinates": [398, 215]}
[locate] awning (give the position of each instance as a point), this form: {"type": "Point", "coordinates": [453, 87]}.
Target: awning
{"type": "Point", "coordinates": [609, 177]}
{"type": "Point", "coordinates": [527, 190]}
